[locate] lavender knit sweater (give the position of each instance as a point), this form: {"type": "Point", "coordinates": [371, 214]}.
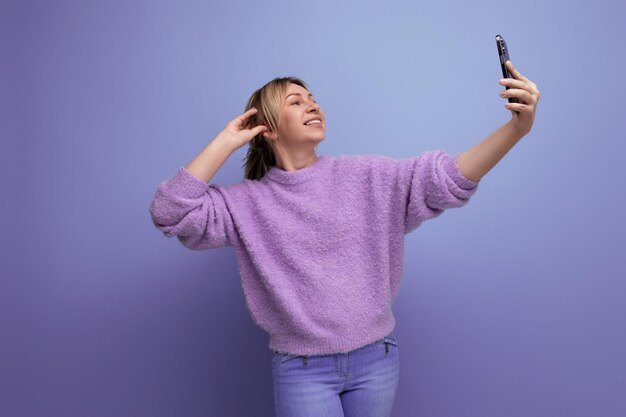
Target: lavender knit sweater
{"type": "Point", "coordinates": [320, 250]}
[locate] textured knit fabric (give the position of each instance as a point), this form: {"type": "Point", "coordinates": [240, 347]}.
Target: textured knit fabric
{"type": "Point", "coordinates": [320, 249]}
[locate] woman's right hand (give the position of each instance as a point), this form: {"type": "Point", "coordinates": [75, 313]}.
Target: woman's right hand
{"type": "Point", "coordinates": [237, 134]}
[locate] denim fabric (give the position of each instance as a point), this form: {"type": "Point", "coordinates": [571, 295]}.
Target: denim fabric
{"type": "Point", "coordinates": [359, 383]}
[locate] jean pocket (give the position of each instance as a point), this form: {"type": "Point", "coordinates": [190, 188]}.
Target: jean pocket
{"type": "Point", "coordinates": [284, 357]}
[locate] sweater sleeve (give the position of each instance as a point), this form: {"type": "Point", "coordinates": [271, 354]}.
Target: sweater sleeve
{"type": "Point", "coordinates": [432, 183]}
{"type": "Point", "coordinates": [194, 211]}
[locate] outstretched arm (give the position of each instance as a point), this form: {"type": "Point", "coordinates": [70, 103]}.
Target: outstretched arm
{"type": "Point", "coordinates": [475, 162]}
{"type": "Point", "coordinates": [478, 160]}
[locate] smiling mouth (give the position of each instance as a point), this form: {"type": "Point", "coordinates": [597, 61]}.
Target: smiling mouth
{"type": "Point", "coordinates": [319, 123]}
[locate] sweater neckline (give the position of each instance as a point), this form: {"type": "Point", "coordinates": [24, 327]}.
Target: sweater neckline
{"type": "Point", "coordinates": [298, 176]}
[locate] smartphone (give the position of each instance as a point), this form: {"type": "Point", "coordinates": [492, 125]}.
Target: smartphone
{"type": "Point", "coordinates": [503, 54]}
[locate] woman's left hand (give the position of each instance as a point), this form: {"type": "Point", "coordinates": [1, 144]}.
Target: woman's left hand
{"type": "Point", "coordinates": [528, 95]}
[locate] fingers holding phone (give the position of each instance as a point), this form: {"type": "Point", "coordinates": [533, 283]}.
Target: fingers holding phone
{"type": "Point", "coordinates": [503, 56]}
{"type": "Point", "coordinates": [522, 94]}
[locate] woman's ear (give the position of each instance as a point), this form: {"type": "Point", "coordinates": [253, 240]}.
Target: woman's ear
{"type": "Point", "coordinates": [269, 135]}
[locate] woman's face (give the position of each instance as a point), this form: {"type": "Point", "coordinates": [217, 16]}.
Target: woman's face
{"type": "Point", "coordinates": [298, 108]}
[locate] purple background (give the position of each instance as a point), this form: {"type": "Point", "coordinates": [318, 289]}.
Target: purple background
{"type": "Point", "coordinates": [101, 315]}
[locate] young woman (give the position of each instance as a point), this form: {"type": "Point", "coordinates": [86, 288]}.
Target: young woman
{"type": "Point", "coordinates": [320, 239]}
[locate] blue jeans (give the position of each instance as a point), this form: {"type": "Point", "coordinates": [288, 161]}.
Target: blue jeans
{"type": "Point", "coordinates": [360, 383]}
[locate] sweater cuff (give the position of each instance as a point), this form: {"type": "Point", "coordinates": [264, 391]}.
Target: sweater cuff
{"type": "Point", "coordinates": [187, 184]}
{"type": "Point", "coordinates": [452, 169]}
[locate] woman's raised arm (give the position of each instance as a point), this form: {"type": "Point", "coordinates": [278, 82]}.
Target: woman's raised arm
{"type": "Point", "coordinates": [234, 136]}
{"type": "Point", "coordinates": [188, 207]}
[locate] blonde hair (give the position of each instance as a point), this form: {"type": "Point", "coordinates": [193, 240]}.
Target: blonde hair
{"type": "Point", "coordinates": [268, 100]}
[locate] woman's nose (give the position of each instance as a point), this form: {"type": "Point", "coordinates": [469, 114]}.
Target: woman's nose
{"type": "Point", "coordinates": [315, 106]}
